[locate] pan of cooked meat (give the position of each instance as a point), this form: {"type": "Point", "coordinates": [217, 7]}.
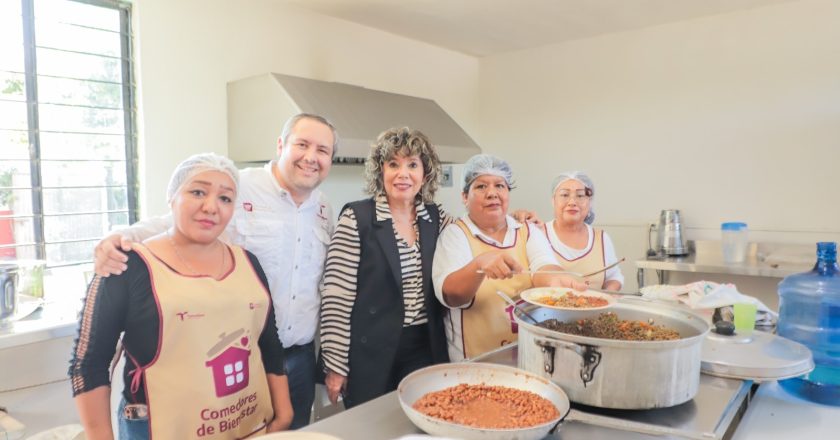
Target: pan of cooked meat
{"type": "Point", "coordinates": [638, 355]}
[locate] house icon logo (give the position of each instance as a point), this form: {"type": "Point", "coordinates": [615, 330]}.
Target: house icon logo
{"type": "Point", "coordinates": [228, 362]}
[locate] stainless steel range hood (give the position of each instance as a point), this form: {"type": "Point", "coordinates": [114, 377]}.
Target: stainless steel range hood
{"type": "Point", "coordinates": [258, 107]}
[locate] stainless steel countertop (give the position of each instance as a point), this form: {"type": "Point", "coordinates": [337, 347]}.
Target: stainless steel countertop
{"type": "Point", "coordinates": [717, 404]}
{"type": "Point", "coordinates": [706, 256]}
{"type": "Point", "coordinates": [50, 321]}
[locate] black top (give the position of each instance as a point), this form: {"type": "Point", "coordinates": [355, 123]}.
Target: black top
{"type": "Point", "coordinates": [377, 317]}
{"type": "Point", "coordinates": [126, 303]}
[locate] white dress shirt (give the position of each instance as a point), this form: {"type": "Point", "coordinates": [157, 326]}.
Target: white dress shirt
{"type": "Point", "coordinates": [290, 242]}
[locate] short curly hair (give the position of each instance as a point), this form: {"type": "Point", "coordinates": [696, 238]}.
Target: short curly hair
{"type": "Point", "coordinates": [404, 142]}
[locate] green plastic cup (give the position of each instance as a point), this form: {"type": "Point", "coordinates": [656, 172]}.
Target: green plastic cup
{"type": "Point", "coordinates": [745, 318]}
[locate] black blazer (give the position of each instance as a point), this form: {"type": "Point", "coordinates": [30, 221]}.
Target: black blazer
{"type": "Point", "coordinates": [377, 317]}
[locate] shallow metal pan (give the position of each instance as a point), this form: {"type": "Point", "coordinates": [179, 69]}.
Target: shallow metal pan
{"type": "Point", "coordinates": [438, 377]}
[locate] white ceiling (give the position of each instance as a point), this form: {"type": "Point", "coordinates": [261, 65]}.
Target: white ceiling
{"type": "Point", "coordinates": [488, 27]}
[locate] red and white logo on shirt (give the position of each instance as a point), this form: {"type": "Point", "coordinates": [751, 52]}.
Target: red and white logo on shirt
{"type": "Point", "coordinates": [248, 206]}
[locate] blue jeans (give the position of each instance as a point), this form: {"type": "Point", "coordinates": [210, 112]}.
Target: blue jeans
{"type": "Point", "coordinates": [131, 429]}
{"type": "Point", "coordinates": [300, 371]}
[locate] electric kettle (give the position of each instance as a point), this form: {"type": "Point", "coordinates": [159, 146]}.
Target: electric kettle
{"type": "Point", "coordinates": [669, 234]}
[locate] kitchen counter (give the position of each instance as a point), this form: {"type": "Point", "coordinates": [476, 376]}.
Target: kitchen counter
{"type": "Point", "coordinates": [763, 260]}
{"type": "Point", "coordinates": [713, 413]}
{"type": "Point", "coordinates": [49, 321]}
{"type": "Point", "coordinates": [774, 414]}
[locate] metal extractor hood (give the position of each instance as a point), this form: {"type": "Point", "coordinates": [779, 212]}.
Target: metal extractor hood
{"type": "Point", "coordinates": [258, 107]}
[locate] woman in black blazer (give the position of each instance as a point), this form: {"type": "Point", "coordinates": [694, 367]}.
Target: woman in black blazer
{"type": "Point", "coordinates": [380, 319]}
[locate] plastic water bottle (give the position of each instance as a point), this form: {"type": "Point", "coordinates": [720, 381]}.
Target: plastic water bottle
{"type": "Point", "coordinates": [809, 313]}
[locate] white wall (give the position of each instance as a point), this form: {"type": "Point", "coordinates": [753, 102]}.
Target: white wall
{"type": "Point", "coordinates": [189, 49]}
{"type": "Point", "coordinates": [729, 117]}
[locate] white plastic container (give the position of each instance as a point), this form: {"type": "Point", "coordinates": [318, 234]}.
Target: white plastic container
{"type": "Point", "coordinates": [734, 240]}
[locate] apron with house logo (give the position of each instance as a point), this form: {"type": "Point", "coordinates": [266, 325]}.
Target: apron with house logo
{"type": "Point", "coordinates": [488, 322]}
{"type": "Point", "coordinates": [588, 262]}
{"type": "Point", "coordinates": [207, 379]}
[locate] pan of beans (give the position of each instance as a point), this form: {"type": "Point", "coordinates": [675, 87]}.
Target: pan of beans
{"type": "Point", "coordinates": [482, 401]}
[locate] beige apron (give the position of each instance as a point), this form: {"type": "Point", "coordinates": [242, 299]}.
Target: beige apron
{"type": "Point", "coordinates": [207, 379]}
{"type": "Point", "coordinates": [588, 262]}
{"type": "Point", "coordinates": [488, 322]}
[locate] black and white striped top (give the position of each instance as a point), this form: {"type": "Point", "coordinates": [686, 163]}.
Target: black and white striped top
{"type": "Point", "coordinates": [338, 293]}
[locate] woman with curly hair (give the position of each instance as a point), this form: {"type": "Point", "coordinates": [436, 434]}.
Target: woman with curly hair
{"type": "Point", "coordinates": [380, 319]}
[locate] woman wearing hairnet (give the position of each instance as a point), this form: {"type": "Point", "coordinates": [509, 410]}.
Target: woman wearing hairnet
{"type": "Point", "coordinates": [484, 252]}
{"type": "Point", "coordinates": [201, 347]}
{"type": "Point", "coordinates": [580, 247]}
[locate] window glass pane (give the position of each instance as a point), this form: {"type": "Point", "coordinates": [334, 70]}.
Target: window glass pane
{"type": "Point", "coordinates": [82, 226]}
{"type": "Point", "coordinates": [76, 38]}
{"type": "Point", "coordinates": [65, 11]}
{"type": "Point", "coordinates": [69, 253]}
{"type": "Point", "coordinates": [14, 144]}
{"type": "Point", "coordinates": [82, 146]}
{"type": "Point", "coordinates": [12, 86]}
{"type": "Point", "coordinates": [17, 231]}
{"type": "Point", "coordinates": [15, 202]}
{"type": "Point", "coordinates": [15, 174]}
{"type": "Point", "coordinates": [83, 190]}
{"type": "Point", "coordinates": [72, 200]}
{"type": "Point", "coordinates": [11, 36]}
{"type": "Point", "coordinates": [64, 174]}
{"type": "Point", "coordinates": [75, 65]}
{"type": "Point", "coordinates": [18, 253]}
{"type": "Point", "coordinates": [80, 119]}
{"type": "Point", "coordinates": [73, 91]}
{"type": "Point", "coordinates": [13, 115]}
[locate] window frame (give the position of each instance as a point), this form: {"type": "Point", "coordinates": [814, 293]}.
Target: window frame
{"type": "Point", "coordinates": [33, 130]}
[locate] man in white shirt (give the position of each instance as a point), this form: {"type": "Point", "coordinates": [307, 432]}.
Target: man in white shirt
{"type": "Point", "coordinates": [283, 219]}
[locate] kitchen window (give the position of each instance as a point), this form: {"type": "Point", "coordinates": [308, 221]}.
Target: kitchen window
{"type": "Point", "coordinates": [67, 130]}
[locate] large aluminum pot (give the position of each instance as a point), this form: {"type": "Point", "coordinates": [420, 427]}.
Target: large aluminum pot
{"type": "Point", "coordinates": [437, 377]}
{"type": "Point", "coordinates": [617, 374]}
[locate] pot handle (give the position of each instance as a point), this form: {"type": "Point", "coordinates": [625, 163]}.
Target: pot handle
{"type": "Point", "coordinates": [589, 354]}
{"type": "Point", "coordinates": [642, 428]}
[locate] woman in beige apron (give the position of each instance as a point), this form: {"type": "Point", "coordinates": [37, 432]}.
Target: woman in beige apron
{"type": "Point", "coordinates": [487, 252]}
{"type": "Point", "coordinates": [580, 247]}
{"type": "Point", "coordinates": [203, 359]}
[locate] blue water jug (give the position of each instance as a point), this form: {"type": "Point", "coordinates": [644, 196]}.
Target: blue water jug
{"type": "Point", "coordinates": [809, 313]}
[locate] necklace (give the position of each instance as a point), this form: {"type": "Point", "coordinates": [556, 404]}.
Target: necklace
{"type": "Point", "coordinates": [187, 265]}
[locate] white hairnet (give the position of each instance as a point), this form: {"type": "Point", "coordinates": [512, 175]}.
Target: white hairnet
{"type": "Point", "coordinates": [197, 164]}
{"type": "Point", "coordinates": [482, 164]}
{"type": "Point", "coordinates": [587, 183]}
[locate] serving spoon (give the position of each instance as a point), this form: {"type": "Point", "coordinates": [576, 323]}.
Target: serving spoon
{"type": "Point", "coordinates": [566, 272]}
{"type": "Point", "coordinates": [516, 306]}
{"type": "Point", "coordinates": [604, 269]}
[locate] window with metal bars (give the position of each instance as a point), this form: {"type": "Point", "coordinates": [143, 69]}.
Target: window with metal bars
{"type": "Point", "coordinates": [67, 131]}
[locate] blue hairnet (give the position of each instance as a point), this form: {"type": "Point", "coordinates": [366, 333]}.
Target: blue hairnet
{"type": "Point", "coordinates": [587, 183]}
{"type": "Point", "coordinates": [483, 164]}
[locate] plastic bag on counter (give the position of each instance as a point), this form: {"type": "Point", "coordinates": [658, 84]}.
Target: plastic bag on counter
{"type": "Point", "coordinates": [708, 296]}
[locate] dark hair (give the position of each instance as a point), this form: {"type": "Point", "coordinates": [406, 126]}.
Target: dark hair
{"type": "Point", "coordinates": [405, 142]}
